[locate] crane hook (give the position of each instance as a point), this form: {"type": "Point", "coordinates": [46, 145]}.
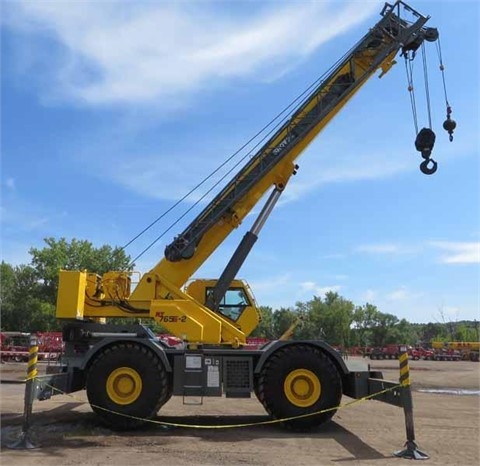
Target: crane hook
{"type": "Point", "coordinates": [425, 169]}
{"type": "Point", "coordinates": [424, 143]}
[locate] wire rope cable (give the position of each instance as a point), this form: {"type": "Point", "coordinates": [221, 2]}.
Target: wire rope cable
{"type": "Point", "coordinates": [411, 90]}
{"type": "Point", "coordinates": [442, 69]}
{"type": "Point", "coordinates": [427, 90]}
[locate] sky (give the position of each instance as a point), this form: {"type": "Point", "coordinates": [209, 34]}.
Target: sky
{"type": "Point", "coordinates": [111, 111]}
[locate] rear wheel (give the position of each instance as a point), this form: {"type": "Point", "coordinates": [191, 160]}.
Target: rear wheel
{"type": "Point", "coordinates": [298, 380]}
{"type": "Point", "coordinates": [126, 385]}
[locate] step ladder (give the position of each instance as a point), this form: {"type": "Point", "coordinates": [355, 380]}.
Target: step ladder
{"type": "Point", "coordinates": [193, 377]}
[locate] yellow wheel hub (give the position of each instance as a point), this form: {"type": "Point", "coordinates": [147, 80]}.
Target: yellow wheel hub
{"type": "Point", "coordinates": [124, 385]}
{"type": "Point", "coordinates": [302, 388]}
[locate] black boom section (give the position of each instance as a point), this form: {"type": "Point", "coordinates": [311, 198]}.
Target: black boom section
{"type": "Point", "coordinates": [388, 36]}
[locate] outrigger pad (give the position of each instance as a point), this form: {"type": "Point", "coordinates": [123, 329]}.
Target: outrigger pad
{"type": "Point", "coordinates": [411, 452]}
{"type": "Point", "coordinates": [24, 442]}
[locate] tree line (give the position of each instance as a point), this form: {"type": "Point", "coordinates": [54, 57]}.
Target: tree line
{"type": "Point", "coordinates": [341, 323]}
{"type": "Point", "coordinates": [28, 298]}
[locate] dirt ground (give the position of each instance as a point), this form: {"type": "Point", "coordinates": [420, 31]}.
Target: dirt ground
{"type": "Point", "coordinates": [447, 427]}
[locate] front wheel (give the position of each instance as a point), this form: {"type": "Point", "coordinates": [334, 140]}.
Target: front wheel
{"type": "Point", "coordinates": [298, 380]}
{"type": "Point", "coordinates": [126, 385]}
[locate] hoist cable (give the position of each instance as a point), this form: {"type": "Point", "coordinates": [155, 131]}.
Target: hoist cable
{"type": "Point", "coordinates": [411, 89]}
{"type": "Point", "coordinates": [427, 90]}
{"type": "Point", "coordinates": [442, 69]}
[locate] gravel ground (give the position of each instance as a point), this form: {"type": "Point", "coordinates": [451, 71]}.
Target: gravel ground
{"type": "Point", "coordinates": [447, 427]}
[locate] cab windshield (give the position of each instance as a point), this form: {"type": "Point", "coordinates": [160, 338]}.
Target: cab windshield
{"type": "Point", "coordinates": [233, 303]}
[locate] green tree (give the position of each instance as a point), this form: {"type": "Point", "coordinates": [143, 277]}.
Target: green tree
{"type": "Point", "coordinates": [7, 292]}
{"type": "Point", "coordinates": [466, 331]}
{"type": "Point", "coordinates": [432, 331]}
{"type": "Point", "coordinates": [382, 327]}
{"type": "Point", "coordinates": [265, 328]}
{"type": "Point", "coordinates": [22, 307]}
{"type": "Point", "coordinates": [329, 319]}
{"type": "Point", "coordinates": [337, 319]}
{"type": "Point", "coordinates": [403, 332]}
{"type": "Point", "coordinates": [282, 319]}
{"type": "Point", "coordinates": [364, 319]}
{"type": "Point", "coordinates": [7, 280]}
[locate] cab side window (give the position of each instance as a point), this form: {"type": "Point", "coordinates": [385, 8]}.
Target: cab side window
{"type": "Point", "coordinates": [233, 303]}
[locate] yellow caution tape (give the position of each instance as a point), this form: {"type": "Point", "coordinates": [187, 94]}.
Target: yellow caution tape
{"type": "Point", "coordinates": [232, 426]}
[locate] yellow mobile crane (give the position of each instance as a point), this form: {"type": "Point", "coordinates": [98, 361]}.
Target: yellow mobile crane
{"type": "Point", "coordinates": [468, 350]}
{"type": "Point", "coordinates": [129, 374]}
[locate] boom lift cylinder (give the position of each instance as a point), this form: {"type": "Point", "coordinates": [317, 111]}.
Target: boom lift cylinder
{"type": "Point", "coordinates": [218, 292]}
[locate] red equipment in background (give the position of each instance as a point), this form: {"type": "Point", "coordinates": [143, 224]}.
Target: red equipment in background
{"type": "Point", "coordinates": [14, 346]}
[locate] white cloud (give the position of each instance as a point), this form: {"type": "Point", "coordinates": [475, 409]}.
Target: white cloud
{"type": "Point", "coordinates": [275, 291]}
{"type": "Point", "coordinates": [458, 252]}
{"type": "Point", "coordinates": [378, 248]}
{"type": "Point", "coordinates": [318, 167]}
{"type": "Point", "coordinates": [385, 248]}
{"type": "Point", "coordinates": [317, 290]}
{"type": "Point", "coordinates": [138, 52]}
{"type": "Point", "coordinates": [455, 252]}
{"type": "Point", "coordinates": [385, 298]}
{"type": "Point", "coordinates": [272, 283]}
{"type": "Point", "coordinates": [400, 294]}
{"type": "Point", "coordinates": [322, 290]}
{"type": "Point", "coordinates": [368, 296]}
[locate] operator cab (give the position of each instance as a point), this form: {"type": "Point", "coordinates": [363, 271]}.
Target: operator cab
{"type": "Point", "coordinates": [238, 305]}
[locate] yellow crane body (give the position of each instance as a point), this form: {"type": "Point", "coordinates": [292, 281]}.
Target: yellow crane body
{"type": "Point", "coordinates": [456, 345]}
{"type": "Point", "coordinates": [129, 373]}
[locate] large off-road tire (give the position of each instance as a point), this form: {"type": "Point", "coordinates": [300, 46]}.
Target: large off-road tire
{"type": "Point", "coordinates": [129, 379]}
{"type": "Point", "coordinates": [297, 380]}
